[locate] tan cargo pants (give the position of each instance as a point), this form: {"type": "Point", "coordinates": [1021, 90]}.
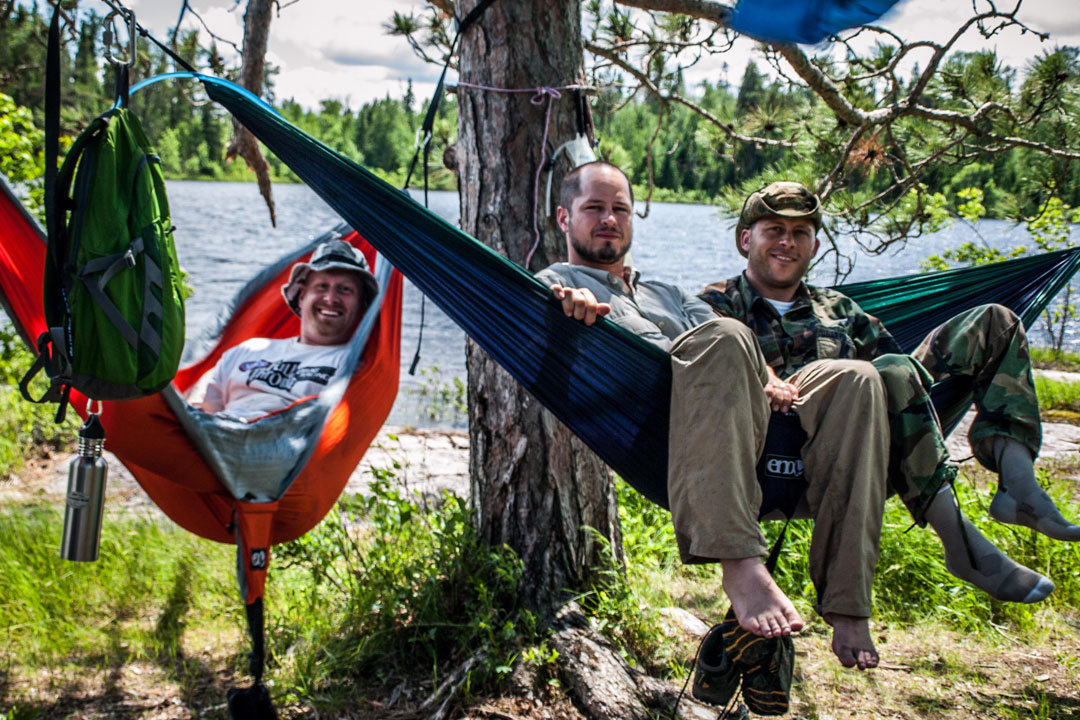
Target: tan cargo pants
{"type": "Point", "coordinates": [719, 418]}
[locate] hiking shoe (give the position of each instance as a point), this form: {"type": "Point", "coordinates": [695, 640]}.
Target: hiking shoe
{"type": "Point", "coordinates": [716, 679]}
{"type": "Point", "coordinates": [766, 687]}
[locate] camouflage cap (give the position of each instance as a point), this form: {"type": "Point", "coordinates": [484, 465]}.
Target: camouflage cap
{"type": "Point", "coordinates": [786, 199]}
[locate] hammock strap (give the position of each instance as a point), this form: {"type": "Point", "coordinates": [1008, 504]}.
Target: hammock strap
{"type": "Point", "coordinates": [423, 133]}
{"type": "Point", "coordinates": [423, 142]}
{"type": "Point", "coordinates": [540, 96]}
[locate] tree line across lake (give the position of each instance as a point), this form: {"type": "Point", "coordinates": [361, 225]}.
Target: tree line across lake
{"type": "Point", "coordinates": [691, 160]}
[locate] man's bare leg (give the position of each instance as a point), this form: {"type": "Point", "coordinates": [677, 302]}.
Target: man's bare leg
{"type": "Point", "coordinates": [851, 641]}
{"type": "Point", "coordinates": [759, 604]}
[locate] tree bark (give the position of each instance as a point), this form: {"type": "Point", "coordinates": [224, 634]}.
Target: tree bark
{"type": "Point", "coordinates": [534, 486]}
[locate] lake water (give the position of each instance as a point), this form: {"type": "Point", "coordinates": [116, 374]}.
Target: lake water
{"type": "Point", "coordinates": [224, 238]}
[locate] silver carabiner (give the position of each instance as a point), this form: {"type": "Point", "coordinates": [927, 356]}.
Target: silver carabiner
{"type": "Point", "coordinates": [107, 40]}
{"type": "Point", "coordinates": [419, 144]}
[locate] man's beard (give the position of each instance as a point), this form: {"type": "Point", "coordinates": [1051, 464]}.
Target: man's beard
{"type": "Point", "coordinates": [604, 255]}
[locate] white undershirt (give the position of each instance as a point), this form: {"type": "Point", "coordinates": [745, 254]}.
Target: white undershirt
{"type": "Point", "coordinates": [781, 307]}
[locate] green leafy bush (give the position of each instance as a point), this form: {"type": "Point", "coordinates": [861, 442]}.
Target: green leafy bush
{"type": "Point", "coordinates": [389, 583]}
{"type": "Point", "coordinates": [25, 428]}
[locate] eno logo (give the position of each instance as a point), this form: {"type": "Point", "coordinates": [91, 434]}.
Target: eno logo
{"type": "Point", "coordinates": [258, 559]}
{"type": "Point", "coordinates": [781, 466]}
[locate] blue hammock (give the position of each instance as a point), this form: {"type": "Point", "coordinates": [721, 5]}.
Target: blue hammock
{"type": "Point", "coordinates": [608, 386]}
{"type": "Point", "coordinates": [807, 21]}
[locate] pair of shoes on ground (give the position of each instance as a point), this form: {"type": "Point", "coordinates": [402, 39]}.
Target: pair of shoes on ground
{"type": "Point", "coordinates": [730, 655]}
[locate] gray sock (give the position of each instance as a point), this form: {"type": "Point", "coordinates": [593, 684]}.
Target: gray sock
{"type": "Point", "coordinates": [993, 571]}
{"type": "Point", "coordinates": [1020, 500]}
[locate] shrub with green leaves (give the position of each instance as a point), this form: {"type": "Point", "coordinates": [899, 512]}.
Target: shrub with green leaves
{"type": "Point", "coordinates": [22, 154]}
{"type": "Point", "coordinates": [389, 583]}
{"type": "Point", "coordinates": [1057, 395]}
{"type": "Point", "coordinates": [25, 428]}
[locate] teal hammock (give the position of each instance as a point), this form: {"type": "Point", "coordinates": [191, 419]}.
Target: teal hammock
{"type": "Point", "coordinates": [608, 386]}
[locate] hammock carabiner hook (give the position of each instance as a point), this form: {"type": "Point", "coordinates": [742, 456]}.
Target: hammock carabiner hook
{"type": "Point", "coordinates": [109, 36]}
{"type": "Point", "coordinates": [422, 138]}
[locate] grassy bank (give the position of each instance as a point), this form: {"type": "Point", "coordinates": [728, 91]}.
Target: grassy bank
{"type": "Point", "coordinates": [391, 592]}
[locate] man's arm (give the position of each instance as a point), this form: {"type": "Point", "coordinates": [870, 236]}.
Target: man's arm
{"type": "Point", "coordinates": [697, 309]}
{"type": "Point", "coordinates": [869, 335]}
{"type": "Point", "coordinates": [781, 394]}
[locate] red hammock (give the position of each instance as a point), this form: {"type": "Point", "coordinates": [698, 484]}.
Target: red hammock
{"type": "Point", "coordinates": [149, 440]}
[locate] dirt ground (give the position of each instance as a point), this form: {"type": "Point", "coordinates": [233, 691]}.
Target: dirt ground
{"type": "Point", "coordinates": [926, 673]}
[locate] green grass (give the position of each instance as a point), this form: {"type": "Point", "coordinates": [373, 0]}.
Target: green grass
{"type": "Point", "coordinates": [912, 585]}
{"type": "Point", "coordinates": [1057, 395]}
{"type": "Point", "coordinates": [1049, 359]}
{"type": "Point", "coordinates": [384, 589]}
{"type": "Point", "coordinates": [152, 581]}
{"type": "Point", "coordinates": [391, 587]}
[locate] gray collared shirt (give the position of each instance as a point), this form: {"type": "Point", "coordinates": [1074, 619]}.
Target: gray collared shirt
{"type": "Point", "coordinates": [652, 310]}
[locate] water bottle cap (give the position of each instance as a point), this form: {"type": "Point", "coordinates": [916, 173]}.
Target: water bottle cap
{"type": "Point", "coordinates": [92, 429]}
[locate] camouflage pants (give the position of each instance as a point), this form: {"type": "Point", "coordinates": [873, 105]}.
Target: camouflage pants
{"type": "Point", "coordinates": [986, 348]}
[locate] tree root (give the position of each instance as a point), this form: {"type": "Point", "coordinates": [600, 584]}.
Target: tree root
{"type": "Point", "coordinates": [603, 685]}
{"type": "Point", "coordinates": [448, 690]}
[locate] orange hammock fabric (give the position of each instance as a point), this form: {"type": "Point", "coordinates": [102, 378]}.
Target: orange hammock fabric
{"type": "Point", "coordinates": [152, 444]}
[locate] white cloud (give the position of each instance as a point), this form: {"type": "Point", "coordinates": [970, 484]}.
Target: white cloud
{"type": "Point", "coordinates": [339, 49]}
{"type": "Point", "coordinates": [353, 85]}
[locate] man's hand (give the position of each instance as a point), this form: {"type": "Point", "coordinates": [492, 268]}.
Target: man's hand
{"type": "Point", "coordinates": [781, 394]}
{"type": "Point", "coordinates": [580, 303]}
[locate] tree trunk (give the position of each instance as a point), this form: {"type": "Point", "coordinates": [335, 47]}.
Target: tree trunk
{"type": "Point", "coordinates": [534, 485]}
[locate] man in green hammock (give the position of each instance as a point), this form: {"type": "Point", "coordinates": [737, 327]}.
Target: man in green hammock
{"type": "Point", "coordinates": [841, 402]}
{"type": "Point", "coordinates": [797, 324]}
{"type": "Point", "coordinates": [718, 428]}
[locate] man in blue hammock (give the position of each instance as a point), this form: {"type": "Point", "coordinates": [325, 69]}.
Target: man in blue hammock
{"type": "Point", "coordinates": [841, 401]}
{"type": "Point", "coordinates": [259, 376]}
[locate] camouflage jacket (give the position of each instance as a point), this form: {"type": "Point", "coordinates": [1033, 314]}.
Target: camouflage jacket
{"type": "Point", "coordinates": [822, 324]}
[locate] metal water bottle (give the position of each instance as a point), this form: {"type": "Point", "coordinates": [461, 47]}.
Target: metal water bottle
{"type": "Point", "coordinates": [85, 495]}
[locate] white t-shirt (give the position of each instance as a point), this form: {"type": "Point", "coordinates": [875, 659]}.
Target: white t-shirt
{"type": "Point", "coordinates": [260, 375]}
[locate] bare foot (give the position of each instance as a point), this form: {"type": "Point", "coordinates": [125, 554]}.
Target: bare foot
{"type": "Point", "coordinates": [851, 641]}
{"type": "Point", "coordinates": [761, 607]}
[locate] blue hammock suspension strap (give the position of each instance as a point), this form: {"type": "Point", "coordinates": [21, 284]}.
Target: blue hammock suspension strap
{"type": "Point", "coordinates": [423, 144]}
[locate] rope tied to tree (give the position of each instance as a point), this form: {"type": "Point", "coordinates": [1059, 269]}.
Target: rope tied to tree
{"type": "Point", "coordinates": [540, 95]}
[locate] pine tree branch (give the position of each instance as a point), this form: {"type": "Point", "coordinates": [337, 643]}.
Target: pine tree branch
{"type": "Point", "coordinates": [649, 85]}
{"type": "Point", "coordinates": [718, 13]}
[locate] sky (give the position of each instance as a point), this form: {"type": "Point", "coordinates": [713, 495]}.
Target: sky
{"type": "Point", "coordinates": [339, 49]}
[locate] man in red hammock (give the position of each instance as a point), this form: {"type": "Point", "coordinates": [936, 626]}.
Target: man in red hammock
{"type": "Point", "coordinates": [330, 295]}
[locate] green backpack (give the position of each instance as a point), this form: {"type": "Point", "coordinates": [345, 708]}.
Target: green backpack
{"type": "Point", "coordinates": [112, 282]}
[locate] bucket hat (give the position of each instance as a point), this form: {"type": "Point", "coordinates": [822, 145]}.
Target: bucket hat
{"type": "Point", "coordinates": [330, 255]}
